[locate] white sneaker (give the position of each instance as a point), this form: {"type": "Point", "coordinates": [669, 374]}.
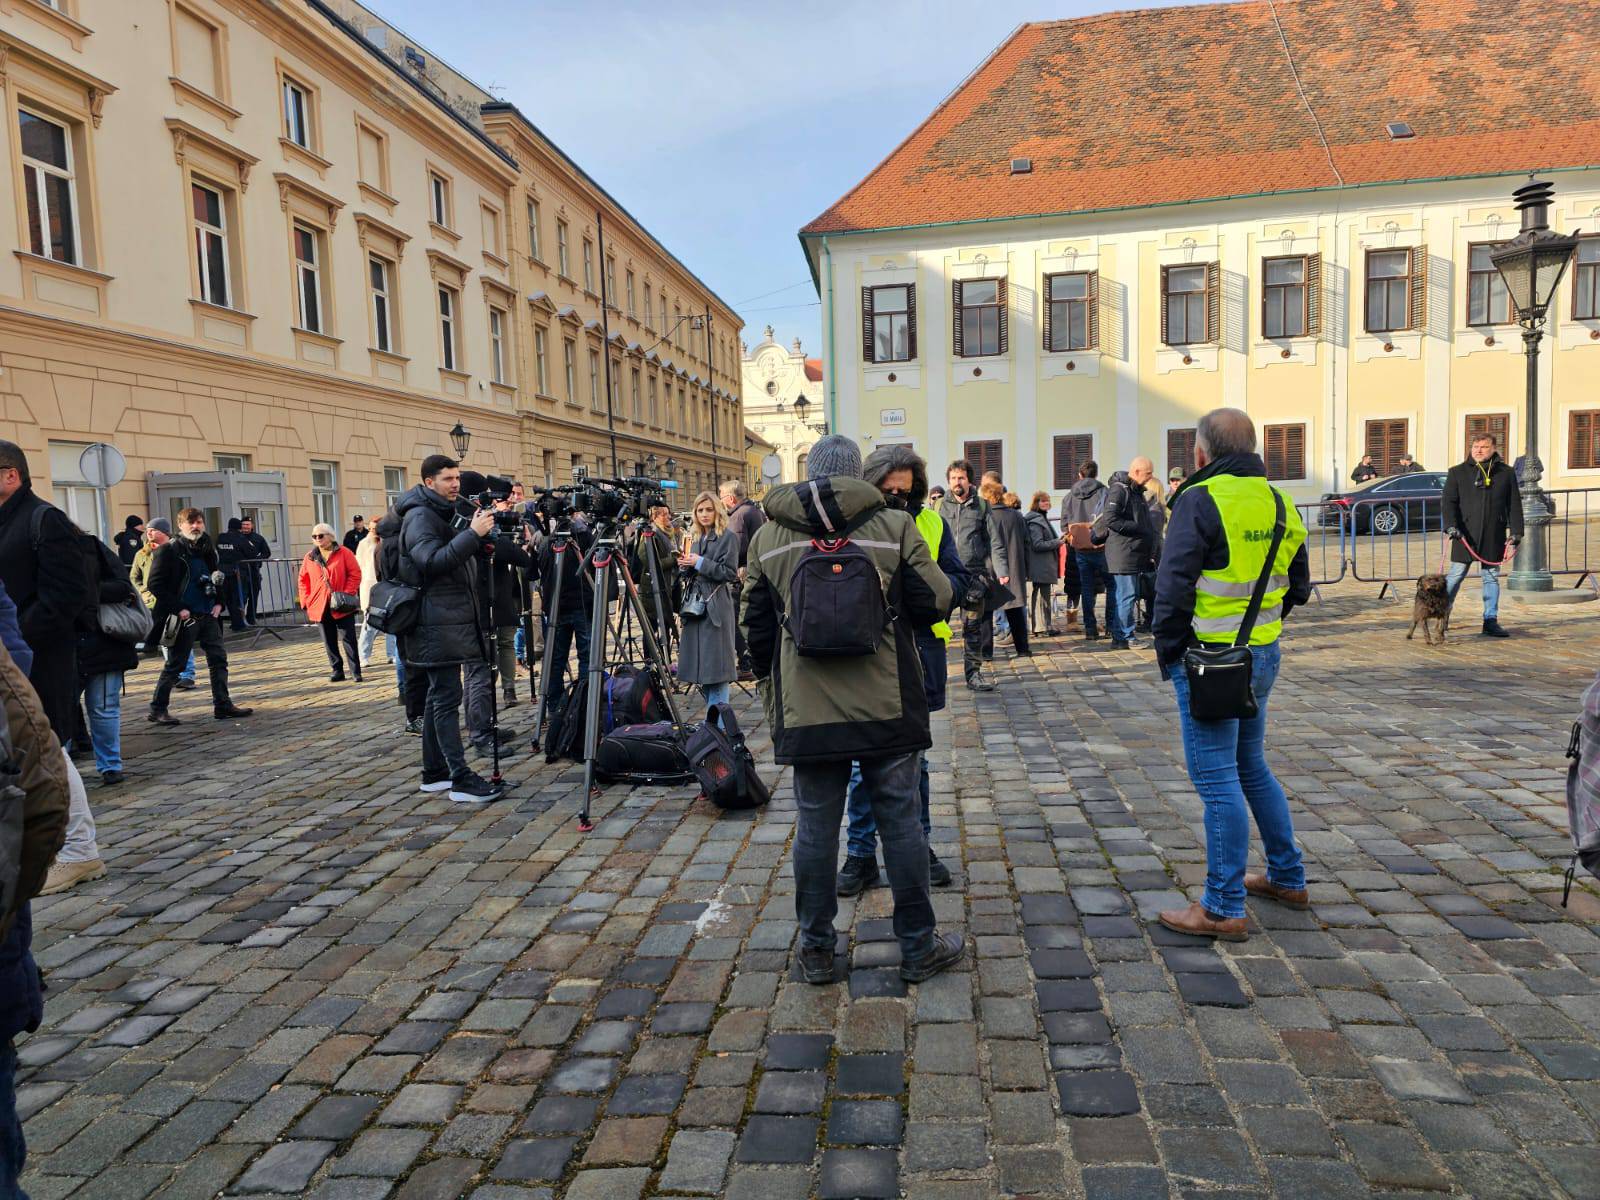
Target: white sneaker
{"type": "Point", "coordinates": [435, 785]}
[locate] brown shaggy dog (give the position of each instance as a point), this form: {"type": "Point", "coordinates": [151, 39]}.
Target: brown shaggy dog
{"type": "Point", "coordinates": [1432, 604]}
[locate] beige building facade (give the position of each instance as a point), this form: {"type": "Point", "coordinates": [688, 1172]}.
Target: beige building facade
{"type": "Point", "coordinates": [784, 401]}
{"type": "Point", "coordinates": [273, 266]}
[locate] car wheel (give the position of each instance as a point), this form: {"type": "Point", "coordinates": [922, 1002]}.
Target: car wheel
{"type": "Point", "coordinates": [1385, 520]}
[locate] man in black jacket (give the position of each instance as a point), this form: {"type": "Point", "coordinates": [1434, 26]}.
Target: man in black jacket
{"type": "Point", "coordinates": [972, 525]}
{"type": "Point", "coordinates": [353, 535]}
{"type": "Point", "coordinates": [441, 561]}
{"type": "Point", "coordinates": [229, 558]}
{"type": "Point", "coordinates": [130, 539]}
{"type": "Point", "coordinates": [1130, 543]}
{"type": "Point", "coordinates": [575, 605]}
{"type": "Point", "coordinates": [1364, 471]}
{"type": "Point", "coordinates": [498, 609]}
{"type": "Point", "coordinates": [253, 551]}
{"type": "Point", "coordinates": [44, 570]}
{"type": "Point", "coordinates": [183, 579]}
{"type": "Point", "coordinates": [1482, 516]}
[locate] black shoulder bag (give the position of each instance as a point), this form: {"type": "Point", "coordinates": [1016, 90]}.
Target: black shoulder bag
{"type": "Point", "coordinates": [1219, 676]}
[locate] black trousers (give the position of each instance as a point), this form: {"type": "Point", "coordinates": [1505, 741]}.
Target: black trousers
{"type": "Point", "coordinates": [1017, 620]}
{"type": "Point", "coordinates": [334, 628]}
{"type": "Point", "coordinates": [414, 692]}
{"type": "Point", "coordinates": [442, 753]}
{"type": "Point", "coordinates": [205, 631]}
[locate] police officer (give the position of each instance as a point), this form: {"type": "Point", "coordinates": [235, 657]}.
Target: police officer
{"type": "Point", "coordinates": [1218, 535]}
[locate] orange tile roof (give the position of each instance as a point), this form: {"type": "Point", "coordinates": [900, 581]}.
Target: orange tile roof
{"type": "Point", "coordinates": [1181, 104]}
{"type": "Point", "coordinates": [814, 370]}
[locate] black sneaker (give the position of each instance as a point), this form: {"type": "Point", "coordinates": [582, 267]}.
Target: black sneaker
{"type": "Point", "coordinates": [1120, 645]}
{"type": "Point", "coordinates": [160, 716]}
{"type": "Point", "coordinates": [414, 726]}
{"type": "Point", "coordinates": [858, 874]}
{"type": "Point", "coordinates": [938, 873]}
{"type": "Point", "coordinates": [184, 685]}
{"type": "Point", "coordinates": [110, 778]}
{"type": "Point", "coordinates": [485, 747]}
{"type": "Point", "coordinates": [947, 948]}
{"type": "Point", "coordinates": [1492, 628]}
{"type": "Point", "coordinates": [816, 966]}
{"type": "Point", "coordinates": [336, 677]}
{"type": "Point", "coordinates": [473, 788]}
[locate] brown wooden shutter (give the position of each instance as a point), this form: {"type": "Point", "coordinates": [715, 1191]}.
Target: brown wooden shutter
{"type": "Point", "coordinates": [1386, 441]}
{"type": "Point", "coordinates": [1214, 302]}
{"type": "Point", "coordinates": [1272, 437]}
{"type": "Point", "coordinates": [1094, 310]}
{"type": "Point", "coordinates": [1049, 315]}
{"type": "Point", "coordinates": [1069, 452]}
{"type": "Point", "coordinates": [1581, 449]}
{"type": "Point", "coordinates": [1294, 452]}
{"type": "Point", "coordinates": [955, 309]}
{"type": "Point", "coordinates": [1164, 304]}
{"type": "Point", "coordinates": [984, 456]}
{"type": "Point", "coordinates": [1417, 308]}
{"type": "Point", "coordinates": [1313, 297]}
{"type": "Point", "coordinates": [911, 321]}
{"type": "Point", "coordinates": [1005, 306]}
{"type": "Point", "coordinates": [867, 351]}
{"type": "Point", "coordinates": [1180, 450]}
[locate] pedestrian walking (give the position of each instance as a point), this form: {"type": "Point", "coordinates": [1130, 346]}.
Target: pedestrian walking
{"type": "Point", "coordinates": [902, 476]}
{"type": "Point", "coordinates": [186, 584]}
{"type": "Point", "coordinates": [1231, 535]}
{"type": "Point", "coordinates": [36, 832]}
{"type": "Point", "coordinates": [1155, 498]}
{"type": "Point", "coordinates": [441, 561]}
{"type": "Point", "coordinates": [330, 594]}
{"type": "Point", "coordinates": [1010, 556]}
{"type": "Point", "coordinates": [1130, 541]}
{"type": "Point", "coordinates": [707, 651]}
{"type": "Point", "coordinates": [972, 524]}
{"type": "Point", "coordinates": [367, 561]}
{"type": "Point", "coordinates": [1044, 564]}
{"type": "Point", "coordinates": [103, 660]}
{"type": "Point", "coordinates": [870, 707]}
{"type": "Point", "coordinates": [1483, 520]}
{"type": "Point", "coordinates": [1080, 509]}
{"type": "Point", "coordinates": [129, 540]}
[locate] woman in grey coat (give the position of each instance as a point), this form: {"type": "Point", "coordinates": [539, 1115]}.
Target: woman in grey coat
{"type": "Point", "coordinates": [706, 653]}
{"type": "Point", "coordinates": [1010, 551]}
{"type": "Point", "coordinates": [1044, 563]}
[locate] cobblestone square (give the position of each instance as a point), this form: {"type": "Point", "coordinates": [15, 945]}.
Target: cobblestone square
{"type": "Point", "coordinates": [301, 976]}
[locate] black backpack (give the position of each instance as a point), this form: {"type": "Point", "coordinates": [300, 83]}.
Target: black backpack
{"type": "Point", "coordinates": [651, 753]}
{"type": "Point", "coordinates": [722, 762]}
{"type": "Point", "coordinates": [632, 698]}
{"type": "Point", "coordinates": [564, 738]}
{"type": "Point", "coordinates": [837, 606]}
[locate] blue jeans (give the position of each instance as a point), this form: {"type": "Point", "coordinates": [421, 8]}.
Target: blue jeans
{"type": "Point", "coordinates": [1228, 764]}
{"type": "Point", "coordinates": [716, 693]}
{"type": "Point", "coordinates": [1092, 566]}
{"type": "Point", "coordinates": [1127, 610]}
{"type": "Point", "coordinates": [102, 703]}
{"type": "Point", "coordinates": [1491, 586]}
{"type": "Point", "coordinates": [819, 793]}
{"type": "Point", "coordinates": [521, 643]}
{"type": "Point", "coordinates": [392, 644]}
{"type": "Point", "coordinates": [861, 830]}
{"type": "Point", "coordinates": [13, 1148]}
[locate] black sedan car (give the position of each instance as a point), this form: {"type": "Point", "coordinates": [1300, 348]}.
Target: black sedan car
{"type": "Point", "coordinates": [1396, 504]}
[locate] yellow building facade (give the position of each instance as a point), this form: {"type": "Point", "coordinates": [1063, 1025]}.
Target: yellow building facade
{"type": "Point", "coordinates": [265, 253]}
{"type": "Point", "coordinates": [1085, 248]}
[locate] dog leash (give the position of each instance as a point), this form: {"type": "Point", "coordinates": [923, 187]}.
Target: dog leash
{"type": "Point", "coordinates": [1508, 552]}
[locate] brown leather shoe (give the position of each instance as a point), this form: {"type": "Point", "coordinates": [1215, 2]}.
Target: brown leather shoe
{"type": "Point", "coordinates": [1260, 885]}
{"type": "Point", "coordinates": [1196, 920]}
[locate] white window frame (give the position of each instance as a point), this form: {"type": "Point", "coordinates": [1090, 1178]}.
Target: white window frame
{"type": "Point", "coordinates": [439, 199]}
{"type": "Point", "coordinates": [594, 380]}
{"type": "Point", "coordinates": [449, 315]}
{"type": "Point", "coordinates": [382, 299]}
{"type": "Point", "coordinates": [325, 499]}
{"type": "Point", "coordinates": [40, 195]}
{"type": "Point", "coordinates": [204, 231]}
{"type": "Point", "coordinates": [234, 462]}
{"type": "Point", "coordinates": [297, 120]}
{"type": "Point", "coordinates": [392, 494]}
{"type": "Point", "coordinates": [569, 363]}
{"type": "Point", "coordinates": [308, 270]}
{"type": "Point", "coordinates": [588, 265]}
{"type": "Point", "coordinates": [563, 250]}
{"type": "Point", "coordinates": [497, 344]}
{"type": "Point", "coordinates": [541, 368]}
{"type": "Point", "coordinates": [534, 216]}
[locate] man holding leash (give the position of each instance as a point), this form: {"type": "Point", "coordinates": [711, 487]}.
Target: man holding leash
{"type": "Point", "coordinates": [1483, 520]}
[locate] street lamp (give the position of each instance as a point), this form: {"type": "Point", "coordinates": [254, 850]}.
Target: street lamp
{"type": "Point", "coordinates": [460, 439]}
{"type": "Point", "coordinates": [1532, 264]}
{"type": "Point", "coordinates": [803, 406]}
{"type": "Point", "coordinates": [650, 464]}
{"type": "Point", "coordinates": [671, 468]}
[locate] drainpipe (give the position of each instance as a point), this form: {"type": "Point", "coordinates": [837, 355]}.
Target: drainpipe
{"type": "Point", "coordinates": [827, 319]}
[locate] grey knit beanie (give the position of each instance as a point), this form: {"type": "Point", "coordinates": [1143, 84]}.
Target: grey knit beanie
{"type": "Point", "coordinates": [834, 455]}
{"type": "Point", "coordinates": [160, 525]}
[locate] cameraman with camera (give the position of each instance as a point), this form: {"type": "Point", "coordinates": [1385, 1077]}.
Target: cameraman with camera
{"type": "Point", "coordinates": [187, 583]}
{"type": "Point", "coordinates": [498, 596]}
{"type": "Point", "coordinates": [439, 557]}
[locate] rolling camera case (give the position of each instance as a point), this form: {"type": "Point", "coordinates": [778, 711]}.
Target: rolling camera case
{"type": "Point", "coordinates": [723, 764]}
{"type": "Point", "coordinates": [645, 753]}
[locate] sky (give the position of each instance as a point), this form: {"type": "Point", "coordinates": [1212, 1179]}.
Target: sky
{"type": "Point", "coordinates": [725, 127]}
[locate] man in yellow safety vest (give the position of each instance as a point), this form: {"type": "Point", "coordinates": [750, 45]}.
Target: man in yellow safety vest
{"type": "Point", "coordinates": [1219, 534]}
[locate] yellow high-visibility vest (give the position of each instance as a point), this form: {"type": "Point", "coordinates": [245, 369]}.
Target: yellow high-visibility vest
{"type": "Point", "coordinates": [931, 526]}
{"type": "Point", "coordinates": [1222, 596]}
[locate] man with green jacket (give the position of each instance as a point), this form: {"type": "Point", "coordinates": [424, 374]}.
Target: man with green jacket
{"type": "Point", "coordinates": [826, 712]}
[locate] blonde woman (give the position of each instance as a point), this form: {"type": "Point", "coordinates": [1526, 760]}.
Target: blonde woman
{"type": "Point", "coordinates": [706, 652]}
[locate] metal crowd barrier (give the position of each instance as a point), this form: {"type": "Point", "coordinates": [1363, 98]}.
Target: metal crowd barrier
{"type": "Point", "coordinates": [277, 602]}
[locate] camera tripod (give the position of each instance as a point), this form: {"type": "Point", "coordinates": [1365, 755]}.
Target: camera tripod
{"type": "Point", "coordinates": [644, 533]}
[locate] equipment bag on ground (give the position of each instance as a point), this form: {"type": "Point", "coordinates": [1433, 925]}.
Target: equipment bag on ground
{"type": "Point", "coordinates": [723, 764]}
{"type": "Point", "coordinates": [564, 738]}
{"type": "Point", "coordinates": [632, 698]}
{"type": "Point", "coordinates": [646, 753]}
{"type": "Point", "coordinates": [1583, 789]}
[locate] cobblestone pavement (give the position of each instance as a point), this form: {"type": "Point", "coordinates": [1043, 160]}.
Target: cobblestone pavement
{"type": "Point", "coordinates": [302, 976]}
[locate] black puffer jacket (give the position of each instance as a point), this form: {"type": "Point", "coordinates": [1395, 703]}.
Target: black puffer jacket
{"type": "Point", "coordinates": [97, 653]}
{"type": "Point", "coordinates": [1483, 504]}
{"type": "Point", "coordinates": [1131, 537]}
{"type": "Point", "coordinates": [441, 562]}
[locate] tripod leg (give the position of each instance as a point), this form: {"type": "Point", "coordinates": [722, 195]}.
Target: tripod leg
{"type": "Point", "coordinates": [494, 701]}
{"type": "Point", "coordinates": [663, 630]}
{"type": "Point", "coordinates": [598, 629]}
{"type": "Point", "coordinates": [652, 647]}
{"type": "Point", "coordinates": [547, 659]}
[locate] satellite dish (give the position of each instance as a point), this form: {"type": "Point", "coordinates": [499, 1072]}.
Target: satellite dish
{"type": "Point", "coordinates": [771, 468]}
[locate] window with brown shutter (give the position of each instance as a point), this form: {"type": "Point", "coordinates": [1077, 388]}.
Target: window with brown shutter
{"type": "Point", "coordinates": [1285, 451]}
{"type": "Point", "coordinates": [980, 317]}
{"type": "Point", "coordinates": [1496, 425]}
{"type": "Point", "coordinates": [1180, 450]}
{"type": "Point", "coordinates": [1069, 317]}
{"type": "Point", "coordinates": [1389, 303]}
{"type": "Point", "coordinates": [1488, 298]}
{"type": "Point", "coordinates": [889, 323]}
{"type": "Point", "coordinates": [1190, 304]}
{"type": "Point", "coordinates": [1418, 308]}
{"type": "Point", "coordinates": [984, 456]}
{"type": "Point", "coordinates": [1386, 441]}
{"type": "Point", "coordinates": [1069, 452]}
{"type": "Point", "coordinates": [1583, 439]}
{"type": "Point", "coordinates": [1285, 296]}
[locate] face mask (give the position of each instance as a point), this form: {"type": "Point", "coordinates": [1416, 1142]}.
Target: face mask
{"type": "Point", "coordinates": [896, 500]}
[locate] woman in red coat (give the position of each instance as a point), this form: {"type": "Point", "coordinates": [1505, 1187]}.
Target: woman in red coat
{"type": "Point", "coordinates": [330, 592]}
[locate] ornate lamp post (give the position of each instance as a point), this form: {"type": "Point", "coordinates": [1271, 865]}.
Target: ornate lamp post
{"type": "Point", "coordinates": [1532, 264]}
{"type": "Point", "coordinates": [460, 438]}
{"type": "Point", "coordinates": [803, 406]}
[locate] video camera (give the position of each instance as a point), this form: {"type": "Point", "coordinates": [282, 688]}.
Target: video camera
{"type": "Point", "coordinates": [483, 492]}
{"type": "Point", "coordinates": [609, 500]}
